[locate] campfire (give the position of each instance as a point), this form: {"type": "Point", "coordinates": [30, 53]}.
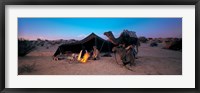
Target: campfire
{"type": "Point", "coordinates": [85, 57]}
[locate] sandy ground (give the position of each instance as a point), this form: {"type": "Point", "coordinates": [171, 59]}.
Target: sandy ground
{"type": "Point", "coordinates": [151, 61]}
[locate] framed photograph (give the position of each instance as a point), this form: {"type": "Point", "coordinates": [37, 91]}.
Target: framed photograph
{"type": "Point", "coordinates": [108, 46]}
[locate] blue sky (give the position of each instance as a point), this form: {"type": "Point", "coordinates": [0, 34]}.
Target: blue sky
{"type": "Point", "coordinates": [78, 28]}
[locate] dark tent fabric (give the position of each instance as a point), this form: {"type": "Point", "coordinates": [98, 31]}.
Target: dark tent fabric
{"type": "Point", "coordinates": [88, 42]}
{"type": "Point", "coordinates": [94, 40]}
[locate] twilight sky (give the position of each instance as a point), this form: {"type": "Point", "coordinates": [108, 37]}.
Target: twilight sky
{"type": "Point", "coordinates": [78, 28]}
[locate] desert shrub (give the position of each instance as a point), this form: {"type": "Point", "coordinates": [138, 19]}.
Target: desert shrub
{"type": "Point", "coordinates": [176, 45]}
{"type": "Point", "coordinates": [46, 40]}
{"type": "Point", "coordinates": [42, 44]}
{"type": "Point", "coordinates": [143, 39]}
{"type": "Point", "coordinates": [153, 44]}
{"type": "Point", "coordinates": [159, 41]}
{"type": "Point", "coordinates": [26, 68]}
{"type": "Point", "coordinates": [47, 47]}
{"type": "Point", "coordinates": [52, 43]}
{"type": "Point", "coordinates": [25, 47]}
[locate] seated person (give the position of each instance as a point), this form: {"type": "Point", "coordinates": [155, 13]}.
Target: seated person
{"type": "Point", "coordinates": [95, 53]}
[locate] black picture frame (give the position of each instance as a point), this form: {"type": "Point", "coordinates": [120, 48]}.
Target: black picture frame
{"type": "Point", "coordinates": [3, 3]}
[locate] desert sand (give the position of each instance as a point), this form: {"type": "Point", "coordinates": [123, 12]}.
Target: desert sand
{"type": "Point", "coordinates": [151, 61]}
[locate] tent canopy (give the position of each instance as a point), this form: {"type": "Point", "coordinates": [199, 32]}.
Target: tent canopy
{"type": "Point", "coordinates": [90, 41]}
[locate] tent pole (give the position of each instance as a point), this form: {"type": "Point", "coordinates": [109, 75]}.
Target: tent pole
{"type": "Point", "coordinates": [96, 41]}
{"type": "Point", "coordinates": [102, 46]}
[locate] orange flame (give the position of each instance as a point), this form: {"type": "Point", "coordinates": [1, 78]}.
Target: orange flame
{"type": "Point", "coordinates": [85, 57]}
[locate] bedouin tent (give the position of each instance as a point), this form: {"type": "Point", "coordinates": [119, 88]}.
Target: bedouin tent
{"type": "Point", "coordinates": [88, 42]}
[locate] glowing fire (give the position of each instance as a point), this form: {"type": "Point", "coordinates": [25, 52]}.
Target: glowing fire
{"type": "Point", "coordinates": [85, 57]}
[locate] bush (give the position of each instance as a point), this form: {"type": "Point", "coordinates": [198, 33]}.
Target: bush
{"type": "Point", "coordinates": [153, 44]}
{"type": "Point", "coordinates": [26, 68]}
{"type": "Point", "coordinates": [176, 45]}
{"type": "Point", "coordinates": [143, 39]}
{"type": "Point", "coordinates": [25, 47]}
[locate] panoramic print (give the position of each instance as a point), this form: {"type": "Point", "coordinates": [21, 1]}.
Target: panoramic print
{"type": "Point", "coordinates": [99, 46]}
